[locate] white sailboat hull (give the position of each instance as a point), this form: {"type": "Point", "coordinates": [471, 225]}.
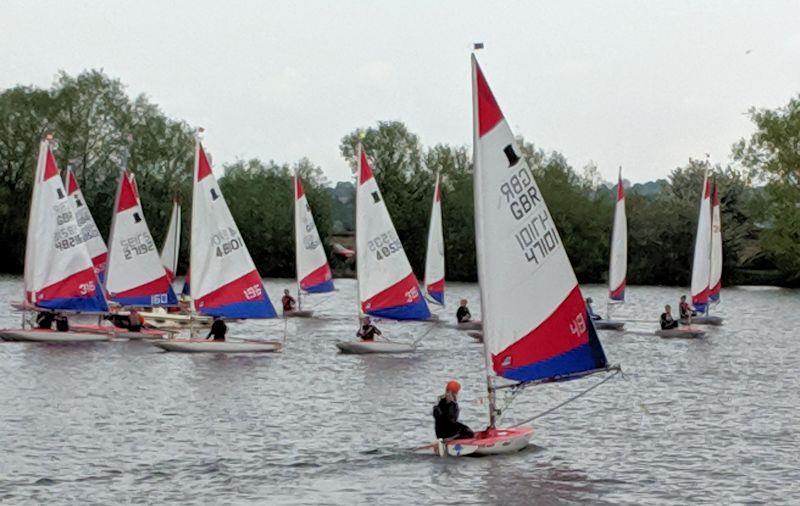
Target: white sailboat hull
{"type": "Point", "coordinates": [50, 336]}
{"type": "Point", "coordinates": [608, 324]}
{"type": "Point", "coordinates": [703, 320]}
{"type": "Point", "coordinates": [206, 346]}
{"type": "Point", "coordinates": [298, 313]}
{"type": "Point", "coordinates": [681, 333]}
{"type": "Point", "coordinates": [470, 325]}
{"type": "Point", "coordinates": [502, 441]}
{"type": "Point", "coordinates": [366, 347]}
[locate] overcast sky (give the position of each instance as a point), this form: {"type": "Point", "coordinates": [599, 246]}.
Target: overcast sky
{"type": "Point", "coordinates": [645, 85]}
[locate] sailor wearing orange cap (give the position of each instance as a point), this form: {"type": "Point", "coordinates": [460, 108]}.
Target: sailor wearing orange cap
{"type": "Point", "coordinates": [445, 415]}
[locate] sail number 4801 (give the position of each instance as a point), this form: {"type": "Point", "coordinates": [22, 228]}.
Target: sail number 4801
{"type": "Point", "coordinates": [578, 325]}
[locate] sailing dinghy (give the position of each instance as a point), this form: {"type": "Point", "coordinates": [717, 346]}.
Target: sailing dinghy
{"type": "Point", "coordinates": [434, 255]}
{"type": "Point", "coordinates": [617, 262]}
{"type": "Point", "coordinates": [387, 287]}
{"type": "Point", "coordinates": [707, 264]}
{"type": "Point", "coordinates": [536, 327]}
{"type": "Point", "coordinates": [59, 273]}
{"type": "Point", "coordinates": [312, 270]}
{"type": "Point", "coordinates": [225, 281]}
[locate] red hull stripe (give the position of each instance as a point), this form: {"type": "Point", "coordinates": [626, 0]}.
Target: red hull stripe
{"type": "Point", "coordinates": [489, 113]}
{"type": "Point", "coordinates": [244, 289]}
{"type": "Point", "coordinates": [365, 172]}
{"type": "Point", "coordinates": [560, 333]}
{"type": "Point", "coordinates": [320, 275]}
{"type": "Point", "coordinates": [127, 195]}
{"type": "Point", "coordinates": [405, 291]}
{"type": "Point", "coordinates": [160, 285]}
{"type": "Point", "coordinates": [80, 284]}
{"type": "Point", "coordinates": [203, 167]}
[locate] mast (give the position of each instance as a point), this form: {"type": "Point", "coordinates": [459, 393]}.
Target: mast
{"type": "Point", "coordinates": [296, 242]}
{"type": "Point", "coordinates": [355, 224]}
{"type": "Point", "coordinates": [479, 241]}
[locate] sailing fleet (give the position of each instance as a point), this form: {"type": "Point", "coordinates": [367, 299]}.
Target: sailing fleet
{"type": "Point", "coordinates": [535, 328]}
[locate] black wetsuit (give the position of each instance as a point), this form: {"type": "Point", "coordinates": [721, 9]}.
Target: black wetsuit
{"type": "Point", "coordinates": [368, 332]}
{"type": "Point", "coordinates": [62, 324]}
{"type": "Point", "coordinates": [218, 330]}
{"type": "Point", "coordinates": [463, 314]}
{"type": "Point", "coordinates": [667, 322]}
{"type": "Point", "coordinates": [44, 320]}
{"type": "Point", "coordinates": [445, 415]}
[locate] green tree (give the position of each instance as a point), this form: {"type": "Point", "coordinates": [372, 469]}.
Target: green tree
{"type": "Point", "coordinates": [772, 154]}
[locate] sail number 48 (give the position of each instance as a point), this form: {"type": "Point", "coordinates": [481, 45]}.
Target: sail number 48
{"type": "Point", "coordinates": [578, 325]}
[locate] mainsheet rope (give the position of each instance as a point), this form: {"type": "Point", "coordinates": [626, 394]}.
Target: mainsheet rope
{"type": "Point", "coordinates": [574, 397]}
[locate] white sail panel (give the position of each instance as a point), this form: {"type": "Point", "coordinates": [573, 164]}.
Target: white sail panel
{"type": "Point", "coordinates": [172, 242]}
{"type": "Point", "coordinates": [618, 261]}
{"type": "Point", "coordinates": [313, 271]}
{"type": "Point", "coordinates": [387, 286]}
{"type": "Point", "coordinates": [715, 269]}
{"type": "Point", "coordinates": [701, 265]}
{"type": "Point", "coordinates": [59, 273]}
{"type": "Point", "coordinates": [434, 255]}
{"type": "Point", "coordinates": [135, 276]}
{"type": "Point", "coordinates": [535, 322]}
{"type": "Point", "coordinates": [225, 281]}
{"type": "Point", "coordinates": [89, 231]}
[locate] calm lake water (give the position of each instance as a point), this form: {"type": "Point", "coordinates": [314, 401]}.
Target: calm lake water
{"type": "Point", "coordinates": [708, 421]}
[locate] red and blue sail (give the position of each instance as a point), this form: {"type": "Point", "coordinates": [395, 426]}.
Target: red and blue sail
{"type": "Point", "coordinates": [535, 322]}
{"type": "Point", "coordinates": [225, 281]}
{"type": "Point", "coordinates": [313, 272]}
{"type": "Point", "coordinates": [135, 275]}
{"type": "Point", "coordinates": [59, 273]}
{"type": "Point", "coordinates": [387, 286]}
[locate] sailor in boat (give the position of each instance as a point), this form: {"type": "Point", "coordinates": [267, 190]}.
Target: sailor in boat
{"type": "Point", "coordinates": [667, 321]}
{"type": "Point", "coordinates": [445, 415]}
{"type": "Point", "coordinates": [287, 301]}
{"type": "Point", "coordinates": [591, 311]}
{"type": "Point", "coordinates": [218, 330]}
{"type": "Point", "coordinates": [462, 313]}
{"type": "Point", "coordinates": [62, 323]}
{"type": "Point", "coordinates": [44, 320]}
{"type": "Point", "coordinates": [135, 321]}
{"type": "Point", "coordinates": [685, 309]}
{"type": "Point", "coordinates": [368, 331]}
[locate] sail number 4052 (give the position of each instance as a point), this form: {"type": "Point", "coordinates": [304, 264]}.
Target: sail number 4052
{"type": "Point", "coordinates": [578, 325]}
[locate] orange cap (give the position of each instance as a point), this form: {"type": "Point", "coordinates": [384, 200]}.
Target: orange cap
{"type": "Point", "coordinates": [453, 386]}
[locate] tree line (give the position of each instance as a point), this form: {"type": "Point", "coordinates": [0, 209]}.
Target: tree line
{"type": "Point", "coordinates": [96, 123]}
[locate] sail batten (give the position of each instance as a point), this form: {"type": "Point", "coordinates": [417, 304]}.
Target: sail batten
{"type": "Point", "coordinates": [387, 286]}
{"type": "Point", "coordinates": [224, 279]}
{"type": "Point", "coordinates": [313, 271]}
{"type": "Point", "coordinates": [535, 321]}
{"type": "Point", "coordinates": [434, 255]}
